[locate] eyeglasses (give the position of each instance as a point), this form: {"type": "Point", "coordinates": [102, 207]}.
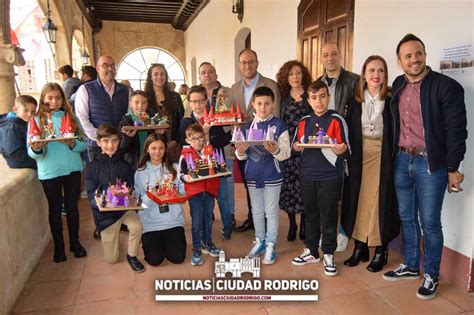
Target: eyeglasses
{"type": "Point", "coordinates": [193, 139]}
{"type": "Point", "coordinates": [110, 140]}
{"type": "Point", "coordinates": [107, 66]}
{"type": "Point", "coordinates": [195, 102]}
{"type": "Point", "coordinates": [250, 62]}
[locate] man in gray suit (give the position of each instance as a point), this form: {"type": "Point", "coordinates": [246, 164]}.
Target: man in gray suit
{"type": "Point", "coordinates": [241, 95]}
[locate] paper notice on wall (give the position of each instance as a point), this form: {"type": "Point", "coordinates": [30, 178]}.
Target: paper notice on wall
{"type": "Point", "coordinates": [457, 60]}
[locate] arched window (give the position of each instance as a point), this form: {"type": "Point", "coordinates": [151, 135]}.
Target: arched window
{"type": "Point", "coordinates": [134, 66]}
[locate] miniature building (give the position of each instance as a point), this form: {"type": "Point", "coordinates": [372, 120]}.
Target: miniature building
{"type": "Point", "coordinates": [237, 266]}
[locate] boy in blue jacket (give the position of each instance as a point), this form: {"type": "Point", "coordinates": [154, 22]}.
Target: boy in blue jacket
{"type": "Point", "coordinates": [13, 133]}
{"type": "Point", "coordinates": [264, 173]}
{"type": "Point", "coordinates": [321, 177]}
{"type": "Point", "coordinates": [105, 169]}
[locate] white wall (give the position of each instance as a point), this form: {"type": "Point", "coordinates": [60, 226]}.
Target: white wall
{"type": "Point", "coordinates": [273, 25]}
{"type": "Point", "coordinates": [378, 27]}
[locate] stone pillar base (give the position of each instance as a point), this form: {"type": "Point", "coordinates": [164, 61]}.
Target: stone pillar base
{"type": "Point", "coordinates": [9, 55]}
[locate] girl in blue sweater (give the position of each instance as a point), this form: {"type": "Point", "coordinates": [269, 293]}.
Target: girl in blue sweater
{"type": "Point", "coordinates": [163, 225]}
{"type": "Point", "coordinates": [59, 168]}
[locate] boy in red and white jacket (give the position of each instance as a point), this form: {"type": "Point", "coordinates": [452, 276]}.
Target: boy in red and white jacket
{"type": "Point", "coordinates": [321, 177]}
{"type": "Point", "coordinates": [201, 196]}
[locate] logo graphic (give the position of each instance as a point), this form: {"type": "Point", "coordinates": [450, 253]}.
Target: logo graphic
{"type": "Point", "coordinates": [237, 266]}
{"type": "Point", "coordinates": [228, 278]}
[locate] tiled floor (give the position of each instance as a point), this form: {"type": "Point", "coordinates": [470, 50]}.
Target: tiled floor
{"type": "Point", "coordinates": [92, 286]}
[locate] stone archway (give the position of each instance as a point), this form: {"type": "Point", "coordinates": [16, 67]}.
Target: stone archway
{"type": "Point", "coordinates": [62, 49]}
{"type": "Point", "coordinates": [241, 41]}
{"type": "Point", "coordinates": [193, 71]}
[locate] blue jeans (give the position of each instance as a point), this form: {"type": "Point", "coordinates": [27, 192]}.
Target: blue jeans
{"type": "Point", "coordinates": [265, 205]}
{"type": "Point", "coordinates": [420, 196]}
{"type": "Point", "coordinates": [201, 218]}
{"type": "Point", "coordinates": [230, 185]}
{"type": "Point", "coordinates": [224, 208]}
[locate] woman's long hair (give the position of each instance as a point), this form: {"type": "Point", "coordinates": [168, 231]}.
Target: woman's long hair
{"type": "Point", "coordinates": [282, 76]}
{"type": "Point", "coordinates": [146, 156]}
{"type": "Point", "coordinates": [150, 92]}
{"type": "Point", "coordinates": [362, 84]}
{"type": "Point", "coordinates": [43, 108]}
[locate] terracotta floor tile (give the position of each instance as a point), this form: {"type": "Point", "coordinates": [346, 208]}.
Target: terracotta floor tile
{"type": "Point", "coordinates": [124, 306]}
{"type": "Point", "coordinates": [457, 296]}
{"type": "Point", "coordinates": [365, 302]}
{"type": "Point", "coordinates": [93, 247]}
{"type": "Point", "coordinates": [50, 271]}
{"type": "Point", "coordinates": [52, 311]}
{"type": "Point", "coordinates": [147, 305]}
{"type": "Point", "coordinates": [343, 283]}
{"type": "Point", "coordinates": [97, 266]}
{"type": "Point", "coordinates": [145, 281]}
{"type": "Point", "coordinates": [102, 288]}
{"type": "Point", "coordinates": [106, 287]}
{"type": "Point", "coordinates": [222, 308]}
{"type": "Point", "coordinates": [47, 295]}
{"type": "Point", "coordinates": [403, 298]}
{"type": "Point", "coordinates": [299, 308]}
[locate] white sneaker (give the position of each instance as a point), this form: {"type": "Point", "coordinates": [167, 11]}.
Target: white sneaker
{"type": "Point", "coordinates": [257, 248]}
{"type": "Point", "coordinates": [83, 194]}
{"type": "Point", "coordinates": [342, 242]}
{"type": "Point", "coordinates": [270, 254]}
{"type": "Point", "coordinates": [330, 268]}
{"type": "Point", "coordinates": [305, 258]}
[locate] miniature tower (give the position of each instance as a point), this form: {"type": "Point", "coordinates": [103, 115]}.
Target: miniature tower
{"type": "Point", "coordinates": [270, 134]}
{"type": "Point", "coordinates": [68, 130]}
{"type": "Point", "coordinates": [239, 115]}
{"type": "Point", "coordinates": [50, 126]}
{"type": "Point", "coordinates": [206, 118]}
{"type": "Point", "coordinates": [212, 119]}
{"type": "Point", "coordinates": [234, 134]}
{"type": "Point", "coordinates": [35, 134]}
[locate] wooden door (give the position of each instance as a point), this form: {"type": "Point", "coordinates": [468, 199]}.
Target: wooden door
{"type": "Point", "coordinates": [320, 21]}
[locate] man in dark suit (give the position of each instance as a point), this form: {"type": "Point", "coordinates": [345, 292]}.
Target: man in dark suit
{"type": "Point", "coordinates": [241, 95]}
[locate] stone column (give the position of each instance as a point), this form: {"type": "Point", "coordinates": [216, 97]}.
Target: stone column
{"type": "Point", "coordinates": [9, 55]}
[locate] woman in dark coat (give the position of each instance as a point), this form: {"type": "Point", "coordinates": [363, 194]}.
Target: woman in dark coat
{"type": "Point", "coordinates": [369, 208]}
{"type": "Point", "coordinates": [165, 102]}
{"type": "Point", "coordinates": [293, 79]}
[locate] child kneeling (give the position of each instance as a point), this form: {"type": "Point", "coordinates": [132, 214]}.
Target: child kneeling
{"type": "Point", "coordinates": [106, 169]}
{"type": "Point", "coordinates": [264, 173]}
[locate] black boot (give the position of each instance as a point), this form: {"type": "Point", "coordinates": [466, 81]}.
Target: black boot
{"type": "Point", "coordinates": [302, 227]}
{"type": "Point", "coordinates": [57, 232]}
{"type": "Point", "coordinates": [59, 255]}
{"type": "Point", "coordinates": [379, 260]}
{"type": "Point", "coordinates": [292, 229]}
{"type": "Point", "coordinates": [78, 250]}
{"type": "Point", "coordinates": [247, 225]}
{"type": "Point", "coordinates": [361, 253]}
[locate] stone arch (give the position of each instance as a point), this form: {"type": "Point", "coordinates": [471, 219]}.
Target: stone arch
{"type": "Point", "coordinates": [241, 41]}
{"type": "Point", "coordinates": [77, 48]}
{"type": "Point", "coordinates": [193, 71]}
{"type": "Point", "coordinates": [135, 64]}
{"type": "Point", "coordinates": [62, 49]}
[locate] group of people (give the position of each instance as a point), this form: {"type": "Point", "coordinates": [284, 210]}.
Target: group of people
{"type": "Point", "coordinates": [395, 151]}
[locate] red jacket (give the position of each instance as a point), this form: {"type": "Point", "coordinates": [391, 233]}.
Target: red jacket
{"type": "Point", "coordinates": [209, 185]}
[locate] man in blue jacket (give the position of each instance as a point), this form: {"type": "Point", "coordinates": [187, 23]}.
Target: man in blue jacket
{"type": "Point", "coordinates": [430, 133]}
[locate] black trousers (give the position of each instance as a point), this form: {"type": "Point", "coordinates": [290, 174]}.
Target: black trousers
{"type": "Point", "coordinates": [249, 205]}
{"type": "Point", "coordinates": [54, 188]}
{"type": "Point", "coordinates": [320, 200]}
{"type": "Point", "coordinates": [169, 244]}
